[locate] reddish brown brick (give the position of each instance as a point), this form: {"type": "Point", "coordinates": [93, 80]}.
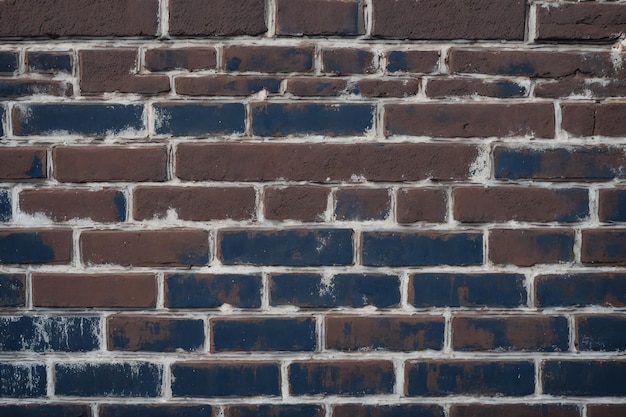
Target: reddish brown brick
{"type": "Point", "coordinates": [154, 333]}
{"type": "Point", "coordinates": [66, 204]}
{"type": "Point", "coordinates": [610, 119]}
{"type": "Point", "coordinates": [514, 410]}
{"type": "Point", "coordinates": [226, 85]}
{"type": "Point", "coordinates": [304, 203]}
{"type": "Point", "coordinates": [192, 59]}
{"type": "Point", "coordinates": [581, 21]}
{"type": "Point", "coordinates": [587, 119]}
{"type": "Point", "coordinates": [316, 86]}
{"type": "Point", "coordinates": [322, 17]}
{"type": "Point", "coordinates": [195, 203]}
{"type": "Point", "coordinates": [380, 410]}
{"type": "Point", "coordinates": [165, 247]}
{"type": "Point", "coordinates": [35, 246]}
{"type": "Point", "coordinates": [531, 246]}
{"type": "Point", "coordinates": [23, 163]}
{"type": "Point", "coordinates": [457, 86]}
{"type": "Point", "coordinates": [578, 118]}
{"type": "Point", "coordinates": [606, 410]}
{"type": "Point", "coordinates": [109, 163]}
{"type": "Point", "coordinates": [120, 290]}
{"type": "Point", "coordinates": [581, 87]}
{"type": "Point", "coordinates": [216, 17]}
{"type": "Point", "coordinates": [604, 247]}
{"type": "Point", "coordinates": [393, 87]}
{"type": "Point", "coordinates": [421, 205]}
{"type": "Point", "coordinates": [362, 204]}
{"type": "Point", "coordinates": [413, 61]}
{"type": "Point", "coordinates": [342, 61]}
{"type": "Point", "coordinates": [268, 58]}
{"type": "Point", "coordinates": [23, 87]}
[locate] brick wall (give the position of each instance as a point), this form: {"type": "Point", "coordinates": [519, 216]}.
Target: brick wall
{"type": "Point", "coordinates": [312, 208]}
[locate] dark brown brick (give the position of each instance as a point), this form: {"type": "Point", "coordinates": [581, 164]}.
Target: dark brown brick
{"type": "Point", "coordinates": [612, 205]}
{"type": "Point", "coordinates": [581, 87]}
{"type": "Point", "coordinates": [118, 290]}
{"type": "Point", "coordinates": [587, 119]}
{"type": "Point", "coordinates": [66, 204]}
{"type": "Point", "coordinates": [457, 86]}
{"type": "Point", "coordinates": [35, 246]}
{"type": "Point", "coordinates": [395, 410]}
{"type": "Point", "coordinates": [109, 163]}
{"type": "Point", "coordinates": [192, 59]}
{"type": "Point", "coordinates": [165, 247]}
{"type": "Point", "coordinates": [610, 119]}
{"type": "Point", "coordinates": [578, 118]}
{"type": "Point", "coordinates": [217, 17]}
{"type": "Point", "coordinates": [581, 21]}
{"type": "Point", "coordinates": [391, 87]}
{"type": "Point", "coordinates": [268, 58]}
{"type": "Point", "coordinates": [322, 17]}
{"type": "Point", "coordinates": [606, 410]}
{"type": "Point", "coordinates": [195, 203]}
{"type": "Point", "coordinates": [413, 61]}
{"type": "Point", "coordinates": [154, 333]}
{"type": "Point", "coordinates": [514, 410]}
{"type": "Point", "coordinates": [342, 61]}
{"type": "Point", "coordinates": [316, 86]}
{"type": "Point", "coordinates": [226, 85]}
{"type": "Point", "coordinates": [23, 163]}
{"type": "Point", "coordinates": [531, 246]}
{"type": "Point", "coordinates": [604, 247]}
{"type": "Point", "coordinates": [275, 410]}
{"type": "Point", "coordinates": [421, 205]}
{"type": "Point", "coordinates": [304, 203]}
{"type": "Point", "coordinates": [10, 88]}
{"type": "Point", "coordinates": [362, 204]}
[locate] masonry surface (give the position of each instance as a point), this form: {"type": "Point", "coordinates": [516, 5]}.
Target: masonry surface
{"type": "Point", "coordinates": [312, 208]}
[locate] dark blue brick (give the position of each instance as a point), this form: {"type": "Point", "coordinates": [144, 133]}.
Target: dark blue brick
{"type": "Point", "coordinates": [106, 379]}
{"type": "Point", "coordinates": [27, 247]}
{"type": "Point", "coordinates": [94, 119]}
{"type": "Point", "coordinates": [225, 379]}
{"type": "Point", "coordinates": [400, 410]}
{"type": "Point", "coordinates": [212, 291]}
{"type": "Point", "coordinates": [16, 87]}
{"type": "Point", "coordinates": [343, 290]}
{"type": "Point", "coordinates": [605, 289]}
{"type": "Point", "coordinates": [397, 61]}
{"type": "Point", "coordinates": [612, 205]}
{"type": "Point", "coordinates": [49, 62]}
{"type": "Point", "coordinates": [199, 119]}
{"type": "Point", "coordinates": [154, 333]}
{"type": "Point", "coordinates": [275, 410]}
{"type": "Point", "coordinates": [602, 333]}
{"type": "Point", "coordinates": [22, 380]}
{"type": "Point", "coordinates": [422, 249]}
{"type": "Point", "coordinates": [49, 334]}
{"type": "Point", "coordinates": [12, 290]}
{"type": "Point", "coordinates": [5, 206]}
{"type": "Point", "coordinates": [467, 290]}
{"type": "Point", "coordinates": [433, 378]}
{"type": "Point", "coordinates": [299, 247]}
{"type": "Point", "coordinates": [509, 89]}
{"type": "Point", "coordinates": [8, 62]}
{"type": "Point", "coordinates": [264, 334]}
{"type": "Point", "coordinates": [343, 61]}
{"type": "Point", "coordinates": [46, 410]}
{"type": "Point", "coordinates": [602, 378]}
{"type": "Point", "coordinates": [154, 410]}
{"type": "Point", "coordinates": [282, 119]}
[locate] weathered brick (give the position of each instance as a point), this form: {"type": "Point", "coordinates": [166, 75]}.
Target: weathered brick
{"type": "Point", "coordinates": [164, 247]}
{"type": "Point", "coordinates": [195, 203]}
{"type": "Point", "coordinates": [577, 87]}
{"type": "Point", "coordinates": [421, 205]}
{"type": "Point", "coordinates": [387, 87]}
{"type": "Point", "coordinates": [263, 334]}
{"type": "Point", "coordinates": [225, 379]}
{"type": "Point", "coordinates": [268, 58]}
{"type": "Point", "coordinates": [216, 17]}
{"type": "Point", "coordinates": [527, 204]}
{"type": "Point", "coordinates": [395, 333]}
{"type": "Point", "coordinates": [450, 377]}
{"type": "Point", "coordinates": [192, 59]}
{"type": "Point", "coordinates": [8, 62]}
{"type": "Point", "coordinates": [11, 88]}
{"type": "Point", "coordinates": [5, 206]}
{"type": "Point", "coordinates": [35, 246]}
{"type": "Point", "coordinates": [342, 61]}
{"type": "Point", "coordinates": [399, 410]}
{"type": "Point", "coordinates": [212, 291]}
{"type": "Point", "coordinates": [582, 289]}
{"type": "Point", "coordinates": [23, 163]}
{"type": "Point", "coordinates": [457, 86]}
{"type": "Point", "coordinates": [49, 62]}
{"type": "Point", "coordinates": [605, 410]}
{"type": "Point", "coordinates": [528, 247]}
{"type": "Point", "coordinates": [601, 332]}
{"type": "Point", "coordinates": [85, 119]}
{"type": "Point", "coordinates": [22, 380]}
{"type": "Point", "coordinates": [514, 410]}
{"type": "Point", "coordinates": [449, 19]}
{"type": "Point", "coordinates": [322, 17]}
{"type": "Point", "coordinates": [133, 290]}
{"type": "Point", "coordinates": [316, 86]}
{"type": "Point", "coordinates": [155, 410]}
{"type": "Point", "coordinates": [108, 379]}
{"type": "Point", "coordinates": [49, 333]}
{"type": "Point", "coordinates": [66, 204]}
{"type": "Point", "coordinates": [422, 248]}
{"type": "Point", "coordinates": [154, 333]}
{"type": "Point", "coordinates": [510, 333]}
{"type": "Point", "coordinates": [612, 205]}
{"type": "Point", "coordinates": [226, 85]}
{"type": "Point", "coordinates": [604, 246]}
{"type": "Point", "coordinates": [304, 203]}
{"type": "Point", "coordinates": [413, 61]}
{"type": "Point", "coordinates": [342, 290]}
{"type": "Point", "coordinates": [342, 162]}
{"type": "Point", "coordinates": [578, 119]}
{"type": "Point", "coordinates": [470, 119]}
{"type": "Point", "coordinates": [467, 290]}
{"type": "Point", "coordinates": [356, 378]}
{"type": "Point", "coordinates": [109, 163]}
{"type": "Point", "coordinates": [275, 410]}
{"type": "Point", "coordinates": [291, 247]}
{"type": "Point", "coordinates": [584, 378]}
{"type": "Point", "coordinates": [39, 410]}
{"type": "Point", "coordinates": [362, 204]}
{"type": "Point", "coordinates": [584, 21]}
{"type": "Point", "coordinates": [12, 290]}
{"type": "Point", "coordinates": [193, 119]}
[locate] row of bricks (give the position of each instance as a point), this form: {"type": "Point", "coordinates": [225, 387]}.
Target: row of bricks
{"type": "Point", "coordinates": [244, 378]}
{"type": "Point", "coordinates": [311, 290]}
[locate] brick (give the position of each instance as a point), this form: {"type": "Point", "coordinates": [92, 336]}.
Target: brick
{"type": "Point", "coordinates": [575, 163]}
{"type": "Point", "coordinates": [85, 119]}
{"type": "Point", "coordinates": [514, 410]}
{"type": "Point", "coordinates": [108, 379]}
{"type": "Point", "coordinates": [35, 246]}
{"type": "Point", "coordinates": [154, 333]}
{"type": "Point", "coordinates": [355, 378]}
{"type": "Point", "coordinates": [578, 87]}
{"type": "Point", "coordinates": [362, 204]}
{"type": "Point", "coordinates": [303, 203]}
{"type": "Point", "coordinates": [449, 19]}
{"type": "Point", "coordinates": [604, 246]}
{"type": "Point", "coordinates": [195, 203]}
{"type": "Point", "coordinates": [226, 85]}
{"type": "Point", "coordinates": [459, 87]}
{"type": "Point", "coordinates": [156, 410]}
{"type": "Point", "coordinates": [422, 248]}
{"type": "Point", "coordinates": [601, 333]}
{"type": "Point", "coordinates": [392, 87]}
{"type": "Point", "coordinates": [192, 59]}
{"type": "Point", "coordinates": [49, 62]}
{"type": "Point", "coordinates": [275, 410]}
{"type": "Point", "coordinates": [526, 204]}
{"type": "Point", "coordinates": [160, 248]}
{"type": "Point", "coordinates": [282, 59]}
{"type": "Point", "coordinates": [109, 163]}
{"type": "Point", "coordinates": [584, 378]}
{"type": "Point", "coordinates": [395, 333]}
{"type": "Point", "coordinates": [23, 163]}
{"type": "Point", "coordinates": [316, 86]}
{"type": "Point", "coordinates": [399, 410]}
{"type": "Point", "coordinates": [421, 204]}
{"type": "Point", "coordinates": [323, 17]}
{"type": "Point", "coordinates": [115, 70]}
{"type": "Point", "coordinates": [582, 22]}
{"type": "Point", "coordinates": [612, 205]}
{"type": "Point", "coordinates": [185, 119]}
{"type": "Point", "coordinates": [578, 119]}
{"type": "Point", "coordinates": [263, 334]}
{"type": "Point", "coordinates": [531, 246]}
{"type": "Point", "coordinates": [291, 247]}
{"type": "Point", "coordinates": [510, 333]}
{"type": "Point", "coordinates": [49, 333]}
{"type": "Point", "coordinates": [67, 204]}
{"type": "Point", "coordinates": [121, 290]}
{"type": "Point", "coordinates": [39, 410]}
{"type": "Point", "coordinates": [470, 119]}
{"type": "Point", "coordinates": [605, 410]}
{"type": "Point", "coordinates": [582, 289]}
{"type": "Point", "coordinates": [342, 290]}
{"type": "Point", "coordinates": [5, 206]}
{"type": "Point", "coordinates": [425, 62]}
{"type": "Point", "coordinates": [216, 17]}
{"type": "Point", "coordinates": [212, 291]}
{"type": "Point", "coordinates": [22, 380]}
{"type": "Point", "coordinates": [467, 290]}
{"type": "Point", "coordinates": [2, 121]}
{"type": "Point", "coordinates": [342, 162]}
{"type": "Point", "coordinates": [83, 18]}
{"type": "Point", "coordinates": [12, 290]}
{"type": "Point", "coordinates": [343, 61]}
{"type": "Point", "coordinates": [8, 62]}
{"type": "Point", "coordinates": [236, 379]}
{"type": "Point", "coordinates": [610, 118]}
{"type": "Point", "coordinates": [10, 88]}
{"type": "Point", "coordinates": [283, 119]}
{"type": "Point", "coordinates": [450, 377]}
